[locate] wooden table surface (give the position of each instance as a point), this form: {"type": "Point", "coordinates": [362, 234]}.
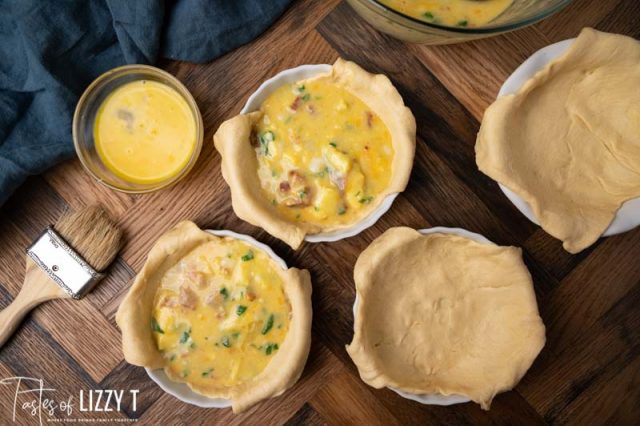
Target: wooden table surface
{"type": "Point", "coordinates": [589, 370]}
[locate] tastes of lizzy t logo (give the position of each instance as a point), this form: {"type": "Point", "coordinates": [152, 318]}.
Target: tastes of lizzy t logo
{"type": "Point", "coordinates": [33, 399]}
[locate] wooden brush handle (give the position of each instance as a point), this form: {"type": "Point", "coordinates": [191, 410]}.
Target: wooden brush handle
{"type": "Point", "coordinates": [37, 288]}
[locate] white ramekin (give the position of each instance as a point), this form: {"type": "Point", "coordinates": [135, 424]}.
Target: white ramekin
{"type": "Point", "coordinates": [628, 217]}
{"type": "Point", "coordinates": [181, 390]}
{"type": "Point", "coordinates": [293, 75]}
{"type": "Point", "coordinates": [436, 399]}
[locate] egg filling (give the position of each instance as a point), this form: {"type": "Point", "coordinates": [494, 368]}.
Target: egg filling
{"type": "Point", "coordinates": [452, 13]}
{"type": "Point", "coordinates": [323, 155]}
{"type": "Point", "coordinates": [145, 132]}
{"type": "Point", "coordinates": [220, 314]}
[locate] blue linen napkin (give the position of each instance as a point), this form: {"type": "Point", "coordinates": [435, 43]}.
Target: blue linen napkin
{"type": "Point", "coordinates": [51, 50]}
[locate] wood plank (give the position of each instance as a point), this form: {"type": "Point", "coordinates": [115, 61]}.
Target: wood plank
{"type": "Point", "coordinates": [605, 349]}
{"type": "Point", "coordinates": [115, 283]}
{"type": "Point", "coordinates": [8, 394]}
{"type": "Point", "coordinates": [354, 405]}
{"type": "Point", "coordinates": [592, 289]}
{"type": "Point", "coordinates": [306, 416]}
{"type": "Point", "coordinates": [605, 401]}
{"type": "Point", "coordinates": [548, 251]}
{"type": "Point", "coordinates": [83, 332]}
{"type": "Point", "coordinates": [473, 72]}
{"type": "Point", "coordinates": [34, 208]}
{"type": "Point", "coordinates": [585, 13]}
{"type": "Point", "coordinates": [79, 189]}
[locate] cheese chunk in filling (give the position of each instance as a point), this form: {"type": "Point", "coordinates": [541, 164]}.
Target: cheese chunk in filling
{"type": "Point", "coordinates": [323, 155]}
{"type": "Point", "coordinates": [220, 314]}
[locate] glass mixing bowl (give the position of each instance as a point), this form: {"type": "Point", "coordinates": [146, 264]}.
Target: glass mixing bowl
{"type": "Point", "coordinates": [520, 14]}
{"type": "Point", "coordinates": [85, 115]}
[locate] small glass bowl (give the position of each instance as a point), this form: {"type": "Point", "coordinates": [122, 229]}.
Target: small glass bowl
{"type": "Point", "coordinates": [85, 115]}
{"type": "Point", "coordinates": [520, 14]}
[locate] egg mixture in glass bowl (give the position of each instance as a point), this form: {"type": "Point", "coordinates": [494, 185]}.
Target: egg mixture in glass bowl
{"type": "Point", "coordinates": [137, 129]}
{"type": "Point", "coordinates": [452, 21]}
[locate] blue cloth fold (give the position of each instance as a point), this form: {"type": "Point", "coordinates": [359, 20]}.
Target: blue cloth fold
{"type": "Point", "coordinates": [51, 50]}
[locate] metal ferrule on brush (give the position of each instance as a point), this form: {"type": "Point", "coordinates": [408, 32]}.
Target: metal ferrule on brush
{"type": "Point", "coordinates": [63, 265]}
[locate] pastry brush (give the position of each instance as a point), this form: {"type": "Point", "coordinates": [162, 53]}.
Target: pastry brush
{"type": "Point", "coordinates": [64, 262]}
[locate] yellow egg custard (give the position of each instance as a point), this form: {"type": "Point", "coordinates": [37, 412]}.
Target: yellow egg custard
{"type": "Point", "coordinates": [320, 155]}
{"type": "Point", "coordinates": [323, 155]}
{"type": "Point", "coordinates": [145, 132]}
{"type": "Point", "coordinates": [452, 13]}
{"type": "Point", "coordinates": [218, 314]}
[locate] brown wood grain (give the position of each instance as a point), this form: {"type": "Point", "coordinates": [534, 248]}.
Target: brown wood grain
{"type": "Point", "coordinates": [589, 371]}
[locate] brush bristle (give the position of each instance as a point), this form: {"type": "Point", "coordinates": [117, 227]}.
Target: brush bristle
{"type": "Point", "coordinates": [92, 234]}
